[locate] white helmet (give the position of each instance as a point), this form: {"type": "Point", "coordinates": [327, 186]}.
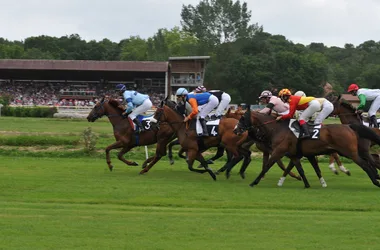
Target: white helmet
{"type": "Point", "coordinates": [300, 93]}
{"type": "Point", "coordinates": [181, 91]}
{"type": "Point", "coordinates": [265, 93]}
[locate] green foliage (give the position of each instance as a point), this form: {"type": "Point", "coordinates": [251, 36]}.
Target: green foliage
{"type": "Point", "coordinates": [38, 140]}
{"type": "Point", "coordinates": [89, 139]}
{"type": "Point", "coordinates": [29, 111]}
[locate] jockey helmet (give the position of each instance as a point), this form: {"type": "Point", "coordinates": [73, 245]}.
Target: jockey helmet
{"type": "Point", "coordinates": [265, 93]}
{"type": "Point", "coordinates": [284, 92]}
{"type": "Point", "coordinates": [300, 93]}
{"type": "Point", "coordinates": [121, 87]}
{"type": "Point", "coordinates": [352, 87]}
{"type": "Point", "coordinates": [181, 92]}
{"type": "Point", "coordinates": [200, 89]}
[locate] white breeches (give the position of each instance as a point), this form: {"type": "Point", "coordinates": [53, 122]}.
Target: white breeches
{"type": "Point", "coordinates": [205, 109]}
{"type": "Point", "coordinates": [327, 108]}
{"type": "Point", "coordinates": [374, 107]}
{"type": "Point", "coordinates": [224, 101]}
{"type": "Point", "coordinates": [314, 106]}
{"type": "Point", "coordinates": [145, 106]}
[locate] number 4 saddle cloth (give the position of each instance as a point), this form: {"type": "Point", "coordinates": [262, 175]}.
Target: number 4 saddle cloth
{"type": "Point", "coordinates": [212, 127]}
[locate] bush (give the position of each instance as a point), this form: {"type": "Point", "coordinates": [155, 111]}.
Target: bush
{"type": "Point", "coordinates": [89, 139]}
{"type": "Point", "coordinates": [29, 111]}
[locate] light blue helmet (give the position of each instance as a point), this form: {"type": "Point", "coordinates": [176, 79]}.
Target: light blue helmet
{"type": "Point", "coordinates": [121, 87]}
{"type": "Point", "coordinates": [181, 91]}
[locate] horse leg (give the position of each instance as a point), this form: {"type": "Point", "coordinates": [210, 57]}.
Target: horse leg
{"type": "Point", "coordinates": [367, 168]}
{"type": "Point", "coordinates": [247, 159]}
{"type": "Point", "coordinates": [170, 153]}
{"type": "Point", "coordinates": [160, 152]}
{"type": "Point", "coordinates": [235, 160]}
{"type": "Point", "coordinates": [120, 156]}
{"type": "Point", "coordinates": [340, 164]}
{"type": "Point", "coordinates": [332, 164]}
{"type": "Point", "coordinates": [219, 153]}
{"type": "Point", "coordinates": [314, 163]}
{"type": "Point", "coordinates": [276, 155]}
{"type": "Point", "coordinates": [282, 166]}
{"type": "Point", "coordinates": [286, 172]}
{"type": "Point", "coordinates": [114, 145]}
{"type": "Point", "coordinates": [204, 163]}
{"type": "Point", "coordinates": [297, 162]}
{"type": "Point", "coordinates": [191, 157]}
{"type": "Point", "coordinates": [147, 161]}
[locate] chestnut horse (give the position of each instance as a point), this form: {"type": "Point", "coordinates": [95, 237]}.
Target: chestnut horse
{"type": "Point", "coordinates": [194, 145]}
{"type": "Point", "coordinates": [283, 142]}
{"type": "Point", "coordinates": [126, 137]}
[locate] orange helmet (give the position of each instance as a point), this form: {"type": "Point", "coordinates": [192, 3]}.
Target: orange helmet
{"type": "Point", "coordinates": [352, 87]}
{"type": "Point", "coordinates": [284, 92]}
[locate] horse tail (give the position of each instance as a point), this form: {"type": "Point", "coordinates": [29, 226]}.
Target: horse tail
{"type": "Point", "coordinates": [366, 132]}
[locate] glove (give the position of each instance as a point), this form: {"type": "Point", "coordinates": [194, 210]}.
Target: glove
{"type": "Point", "coordinates": [278, 118]}
{"type": "Point", "coordinates": [127, 112]}
{"type": "Point", "coordinates": [359, 111]}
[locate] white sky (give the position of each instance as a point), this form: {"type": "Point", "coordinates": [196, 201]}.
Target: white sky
{"type": "Point", "coordinates": [332, 22]}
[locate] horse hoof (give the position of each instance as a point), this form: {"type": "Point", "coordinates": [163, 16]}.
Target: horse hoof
{"type": "Point", "coordinates": [242, 175]}
{"type": "Point", "coordinates": [336, 172]}
{"type": "Point", "coordinates": [142, 172]}
{"type": "Point", "coordinates": [134, 164]}
{"type": "Point", "coordinates": [228, 175]}
{"type": "Point", "coordinates": [216, 172]}
{"type": "Point", "coordinates": [200, 166]}
{"type": "Point", "coordinates": [110, 167]}
{"type": "Point", "coordinates": [348, 173]}
{"type": "Point", "coordinates": [307, 186]}
{"type": "Point", "coordinates": [210, 162]}
{"type": "Point", "coordinates": [299, 178]}
{"type": "Point", "coordinates": [171, 162]}
{"type": "Point", "coordinates": [251, 185]}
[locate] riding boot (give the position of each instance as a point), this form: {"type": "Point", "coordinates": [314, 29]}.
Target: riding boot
{"type": "Point", "coordinates": [305, 131]}
{"type": "Point", "coordinates": [139, 125]}
{"type": "Point", "coordinates": [204, 127]}
{"type": "Point", "coordinates": [374, 121]}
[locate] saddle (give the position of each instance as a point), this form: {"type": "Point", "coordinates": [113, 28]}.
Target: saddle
{"type": "Point", "coordinates": [314, 129]}
{"type": "Point", "coordinates": [145, 122]}
{"type": "Point", "coordinates": [212, 127]}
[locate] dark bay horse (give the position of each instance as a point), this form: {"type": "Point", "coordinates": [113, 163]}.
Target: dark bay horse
{"type": "Point", "coordinates": [194, 145]}
{"type": "Point", "coordinates": [125, 136]}
{"type": "Point", "coordinates": [283, 142]}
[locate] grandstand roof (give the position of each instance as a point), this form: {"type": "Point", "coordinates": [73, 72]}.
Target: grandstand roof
{"type": "Point", "coordinates": [134, 66]}
{"type": "Point", "coordinates": [189, 58]}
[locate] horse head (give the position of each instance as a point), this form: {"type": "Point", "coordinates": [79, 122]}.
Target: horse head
{"type": "Point", "coordinates": [244, 123]}
{"type": "Point", "coordinates": [98, 111]}
{"type": "Point", "coordinates": [167, 103]}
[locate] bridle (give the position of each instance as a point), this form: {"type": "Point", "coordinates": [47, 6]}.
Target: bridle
{"type": "Point", "coordinates": [100, 107]}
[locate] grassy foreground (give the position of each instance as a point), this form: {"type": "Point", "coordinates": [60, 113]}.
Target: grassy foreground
{"type": "Point", "coordinates": [52, 196]}
{"type": "Point", "coordinates": [78, 204]}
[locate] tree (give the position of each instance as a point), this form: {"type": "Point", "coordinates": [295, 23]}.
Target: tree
{"type": "Point", "coordinates": [134, 49]}
{"type": "Point", "coordinates": [215, 22]}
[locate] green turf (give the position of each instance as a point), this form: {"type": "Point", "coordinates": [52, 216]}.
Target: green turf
{"type": "Point", "coordinates": [78, 203]}
{"type": "Point", "coordinates": [60, 199]}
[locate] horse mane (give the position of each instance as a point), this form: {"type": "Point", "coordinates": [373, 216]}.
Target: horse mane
{"type": "Point", "coordinates": [347, 105]}
{"type": "Point", "coordinates": [115, 103]}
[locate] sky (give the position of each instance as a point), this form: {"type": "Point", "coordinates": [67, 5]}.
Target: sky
{"type": "Point", "coordinates": [332, 22]}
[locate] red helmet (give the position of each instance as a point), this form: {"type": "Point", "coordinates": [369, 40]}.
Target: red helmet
{"type": "Point", "coordinates": [352, 87]}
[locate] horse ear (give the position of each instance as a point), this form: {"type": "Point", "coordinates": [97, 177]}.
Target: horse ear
{"type": "Point", "coordinates": [161, 104]}
{"type": "Point", "coordinates": [166, 98]}
{"type": "Point", "coordinates": [249, 107]}
{"type": "Point", "coordinates": [228, 111]}
{"type": "Point", "coordinates": [340, 96]}
{"type": "Point", "coordinates": [102, 100]}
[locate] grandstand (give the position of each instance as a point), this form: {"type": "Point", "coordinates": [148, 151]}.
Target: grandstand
{"type": "Point", "coordinates": [68, 84]}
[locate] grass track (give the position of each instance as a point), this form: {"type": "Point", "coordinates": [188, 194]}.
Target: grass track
{"type": "Point", "coordinates": [49, 203]}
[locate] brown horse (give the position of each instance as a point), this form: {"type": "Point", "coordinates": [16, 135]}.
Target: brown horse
{"type": "Point", "coordinates": [284, 142]}
{"type": "Point", "coordinates": [244, 145]}
{"type": "Point", "coordinates": [348, 115]}
{"type": "Point", "coordinates": [125, 136]}
{"type": "Point", "coordinates": [194, 145]}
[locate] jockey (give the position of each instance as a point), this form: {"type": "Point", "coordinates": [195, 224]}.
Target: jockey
{"type": "Point", "coordinates": [223, 98]}
{"type": "Point", "coordinates": [364, 95]}
{"type": "Point", "coordinates": [309, 105]}
{"type": "Point", "coordinates": [205, 101]}
{"type": "Point", "coordinates": [273, 103]}
{"type": "Point", "coordinates": [134, 99]}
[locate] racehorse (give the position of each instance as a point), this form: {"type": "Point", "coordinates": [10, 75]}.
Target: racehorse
{"type": "Point", "coordinates": [283, 142]}
{"type": "Point", "coordinates": [229, 137]}
{"type": "Point", "coordinates": [126, 137]}
{"type": "Point", "coordinates": [194, 145]}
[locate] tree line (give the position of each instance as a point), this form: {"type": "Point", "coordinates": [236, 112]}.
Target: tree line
{"type": "Point", "coordinates": [244, 58]}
